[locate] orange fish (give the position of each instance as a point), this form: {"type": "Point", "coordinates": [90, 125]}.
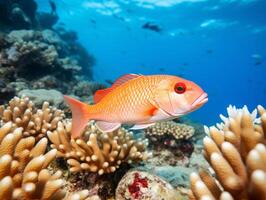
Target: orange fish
{"type": "Point", "coordinates": [139, 100]}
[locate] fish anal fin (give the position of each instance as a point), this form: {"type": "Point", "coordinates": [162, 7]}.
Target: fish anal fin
{"type": "Point", "coordinates": [141, 126]}
{"type": "Point", "coordinates": [80, 115]}
{"type": "Point", "coordinates": [99, 94]}
{"type": "Point", "coordinates": [123, 79]}
{"type": "Point", "coordinates": [105, 127]}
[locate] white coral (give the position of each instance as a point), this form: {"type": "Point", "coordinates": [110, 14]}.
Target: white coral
{"type": "Point", "coordinates": [235, 113]}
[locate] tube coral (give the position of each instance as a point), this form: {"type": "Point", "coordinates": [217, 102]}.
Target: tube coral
{"type": "Point", "coordinates": [236, 152]}
{"type": "Point", "coordinates": [96, 151]}
{"type": "Point", "coordinates": [35, 122]}
{"type": "Point", "coordinates": [23, 167]}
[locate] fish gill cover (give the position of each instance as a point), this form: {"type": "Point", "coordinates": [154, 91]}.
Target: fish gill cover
{"type": "Point", "coordinates": [77, 47]}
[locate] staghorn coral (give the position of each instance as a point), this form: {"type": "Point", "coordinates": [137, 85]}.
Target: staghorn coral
{"type": "Point", "coordinates": [23, 167]}
{"type": "Point", "coordinates": [236, 151]}
{"type": "Point", "coordinates": [96, 151]}
{"type": "Point", "coordinates": [35, 122]}
{"type": "Point", "coordinates": [177, 130]}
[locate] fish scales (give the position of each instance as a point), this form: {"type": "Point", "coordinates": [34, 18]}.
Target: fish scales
{"type": "Point", "coordinates": [135, 95]}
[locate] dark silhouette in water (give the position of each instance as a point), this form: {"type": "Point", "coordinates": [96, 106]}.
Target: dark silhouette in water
{"type": "Point", "coordinates": [258, 62]}
{"type": "Point", "coordinates": [185, 64]}
{"type": "Point", "coordinates": [119, 17]}
{"type": "Point", "coordinates": [53, 7]}
{"type": "Point", "coordinates": [48, 20]}
{"type": "Point", "coordinates": [209, 51]}
{"type": "Point", "coordinates": [257, 58]}
{"type": "Point", "coordinates": [93, 21]}
{"type": "Point", "coordinates": [152, 27]}
{"type": "Point", "coordinates": [109, 81]}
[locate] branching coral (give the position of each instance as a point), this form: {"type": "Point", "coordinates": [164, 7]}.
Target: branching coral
{"type": "Point", "coordinates": [236, 152]}
{"type": "Point", "coordinates": [35, 122]}
{"type": "Point", "coordinates": [96, 151]}
{"type": "Point", "coordinates": [177, 130]}
{"type": "Point", "coordinates": [23, 167]}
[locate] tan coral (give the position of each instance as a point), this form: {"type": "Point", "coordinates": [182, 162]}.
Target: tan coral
{"type": "Point", "coordinates": [236, 152]}
{"type": "Point", "coordinates": [177, 130]}
{"type": "Point", "coordinates": [23, 167]}
{"type": "Point", "coordinates": [96, 151]}
{"type": "Point", "coordinates": [81, 195]}
{"type": "Point", "coordinates": [35, 122]}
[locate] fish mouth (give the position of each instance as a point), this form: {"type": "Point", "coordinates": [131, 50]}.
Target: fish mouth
{"type": "Point", "coordinates": [202, 99]}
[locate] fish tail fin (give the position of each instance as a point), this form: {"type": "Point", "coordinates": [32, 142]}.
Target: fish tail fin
{"type": "Point", "coordinates": [80, 115]}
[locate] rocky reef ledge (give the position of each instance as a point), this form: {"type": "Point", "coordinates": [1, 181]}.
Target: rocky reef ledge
{"type": "Point", "coordinates": [38, 53]}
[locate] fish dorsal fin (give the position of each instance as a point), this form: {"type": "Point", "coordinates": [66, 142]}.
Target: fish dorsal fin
{"type": "Point", "coordinates": [99, 94]}
{"type": "Point", "coordinates": [123, 79]}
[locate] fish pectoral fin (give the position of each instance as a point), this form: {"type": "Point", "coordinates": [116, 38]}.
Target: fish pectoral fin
{"type": "Point", "coordinates": [105, 127]}
{"type": "Point", "coordinates": [141, 126]}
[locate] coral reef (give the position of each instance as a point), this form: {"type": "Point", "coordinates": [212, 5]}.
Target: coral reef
{"type": "Point", "coordinates": [53, 97]}
{"type": "Point", "coordinates": [174, 154]}
{"type": "Point", "coordinates": [41, 59]}
{"type": "Point", "coordinates": [170, 128]}
{"type": "Point", "coordinates": [27, 169]}
{"type": "Point", "coordinates": [236, 151]}
{"type": "Point", "coordinates": [35, 55]}
{"type": "Point", "coordinates": [174, 169]}
{"type": "Point", "coordinates": [142, 185]}
{"type": "Point", "coordinates": [96, 151]}
{"type": "Point", "coordinates": [24, 173]}
{"type": "Point", "coordinates": [172, 136]}
{"type": "Point", "coordinates": [23, 15]}
{"type": "Point", "coordinates": [18, 14]}
{"type": "Point", "coordinates": [35, 122]}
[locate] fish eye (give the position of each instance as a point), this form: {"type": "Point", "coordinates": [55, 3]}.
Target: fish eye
{"type": "Point", "coordinates": [180, 88]}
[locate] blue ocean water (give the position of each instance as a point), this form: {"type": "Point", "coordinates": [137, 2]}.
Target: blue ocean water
{"type": "Point", "coordinates": [219, 44]}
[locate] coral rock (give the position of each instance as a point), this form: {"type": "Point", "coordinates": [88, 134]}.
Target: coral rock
{"type": "Point", "coordinates": [39, 96]}
{"type": "Point", "coordinates": [142, 185]}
